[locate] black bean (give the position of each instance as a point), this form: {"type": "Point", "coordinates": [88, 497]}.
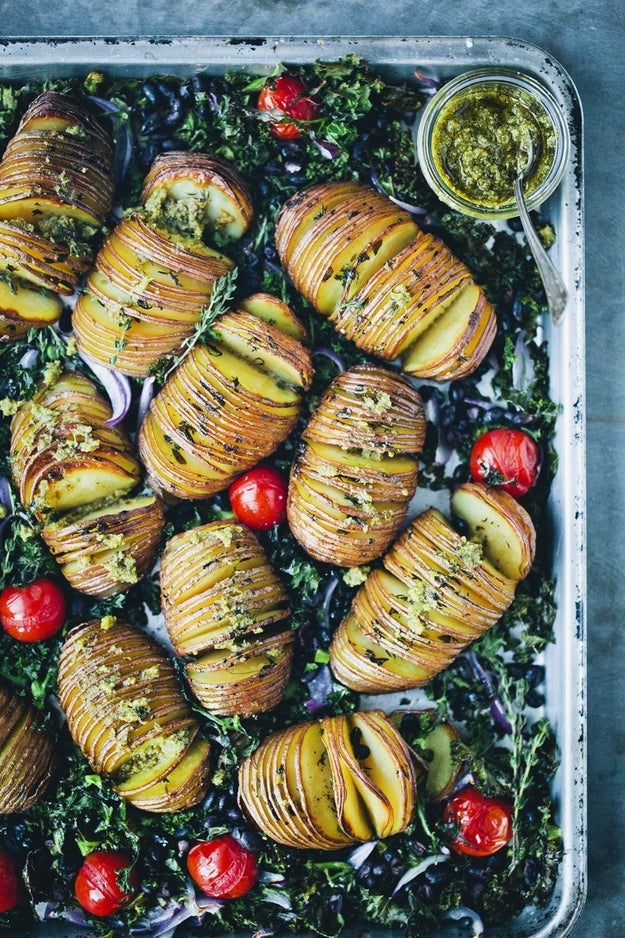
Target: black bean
{"type": "Point", "coordinates": [515, 224]}
{"type": "Point", "coordinates": [436, 875]}
{"type": "Point", "coordinates": [534, 699]}
{"type": "Point", "coordinates": [495, 415]}
{"type": "Point", "coordinates": [150, 92]}
{"type": "Point", "coordinates": [248, 839]}
{"type": "Point", "coordinates": [456, 391]}
{"type": "Point", "coordinates": [171, 143]}
{"type": "Point", "coordinates": [461, 474]}
{"type": "Point", "coordinates": [297, 179]}
{"type": "Point", "coordinates": [175, 113]}
{"type": "Point", "coordinates": [335, 903]}
{"type": "Point", "coordinates": [530, 871]}
{"type": "Point", "coordinates": [199, 84]}
{"type": "Point", "coordinates": [535, 674]}
{"type": "Point", "coordinates": [152, 123]}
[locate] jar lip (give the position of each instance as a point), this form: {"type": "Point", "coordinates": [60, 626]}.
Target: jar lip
{"type": "Point", "coordinates": [491, 76]}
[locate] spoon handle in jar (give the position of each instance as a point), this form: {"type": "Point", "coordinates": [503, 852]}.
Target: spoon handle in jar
{"type": "Point", "coordinates": [552, 281]}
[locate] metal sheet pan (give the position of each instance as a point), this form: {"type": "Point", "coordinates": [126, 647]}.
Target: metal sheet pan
{"type": "Point", "coordinates": [445, 56]}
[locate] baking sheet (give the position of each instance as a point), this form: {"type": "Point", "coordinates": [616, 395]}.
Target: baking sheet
{"type": "Point", "coordinates": [441, 56]}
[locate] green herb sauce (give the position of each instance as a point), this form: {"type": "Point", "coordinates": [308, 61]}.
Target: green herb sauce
{"type": "Point", "coordinates": [481, 140]}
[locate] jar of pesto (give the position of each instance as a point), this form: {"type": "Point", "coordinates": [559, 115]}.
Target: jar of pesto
{"type": "Point", "coordinates": [480, 129]}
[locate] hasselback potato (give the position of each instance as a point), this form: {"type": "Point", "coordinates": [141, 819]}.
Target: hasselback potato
{"type": "Point", "coordinates": [154, 275]}
{"type": "Point", "coordinates": [356, 468]}
{"type": "Point", "coordinates": [329, 783]}
{"type": "Point", "coordinates": [105, 550]}
{"type": "Point", "coordinates": [435, 593]}
{"type": "Point", "coordinates": [63, 456]}
{"type": "Point", "coordinates": [56, 191]}
{"type": "Point", "coordinates": [227, 613]}
{"type": "Point", "coordinates": [228, 404]}
{"type": "Point", "coordinates": [126, 712]}
{"type": "Point", "coordinates": [396, 291]}
{"type": "Point", "coordinates": [76, 473]}
{"type": "Point", "coordinates": [27, 756]}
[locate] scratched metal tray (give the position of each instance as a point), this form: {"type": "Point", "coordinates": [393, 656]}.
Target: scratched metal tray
{"type": "Point", "coordinates": [444, 57]}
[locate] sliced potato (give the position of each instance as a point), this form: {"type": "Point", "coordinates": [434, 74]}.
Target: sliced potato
{"type": "Point", "coordinates": [330, 782]}
{"type": "Point", "coordinates": [435, 593]}
{"type": "Point", "coordinates": [189, 192]}
{"type": "Point", "coordinates": [500, 524]}
{"type": "Point", "coordinates": [225, 610]}
{"type": "Point", "coordinates": [356, 469]}
{"type": "Point", "coordinates": [392, 289]}
{"type": "Point", "coordinates": [27, 756]}
{"type": "Point", "coordinates": [125, 710]}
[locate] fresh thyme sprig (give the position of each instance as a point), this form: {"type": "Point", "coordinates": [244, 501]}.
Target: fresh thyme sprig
{"type": "Point", "coordinates": [218, 304]}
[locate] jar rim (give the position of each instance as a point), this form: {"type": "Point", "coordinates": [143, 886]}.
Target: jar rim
{"type": "Point", "coordinates": [476, 78]}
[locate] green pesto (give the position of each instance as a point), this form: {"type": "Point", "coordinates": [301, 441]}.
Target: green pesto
{"type": "Point", "coordinates": [481, 140]}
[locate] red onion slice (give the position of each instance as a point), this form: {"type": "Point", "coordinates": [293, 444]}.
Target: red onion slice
{"type": "Point", "coordinates": [117, 387]}
{"type": "Point", "coordinates": [147, 393]}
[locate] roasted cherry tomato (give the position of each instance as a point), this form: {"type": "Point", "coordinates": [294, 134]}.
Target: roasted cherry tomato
{"type": "Point", "coordinates": [11, 887]}
{"type": "Point", "coordinates": [506, 458]}
{"type": "Point", "coordinates": [222, 868]}
{"type": "Point", "coordinates": [97, 886]}
{"type": "Point", "coordinates": [34, 612]}
{"type": "Point", "coordinates": [258, 498]}
{"type": "Point", "coordinates": [484, 824]}
{"type": "Point", "coordinates": [287, 93]}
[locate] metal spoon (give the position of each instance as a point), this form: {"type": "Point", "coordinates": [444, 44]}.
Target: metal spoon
{"type": "Point", "coordinates": [552, 281]}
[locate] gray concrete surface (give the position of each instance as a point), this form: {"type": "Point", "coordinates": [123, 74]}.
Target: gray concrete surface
{"type": "Point", "coordinates": [588, 38]}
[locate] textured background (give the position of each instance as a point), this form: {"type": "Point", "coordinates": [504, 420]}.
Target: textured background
{"type": "Point", "coordinates": [588, 38]}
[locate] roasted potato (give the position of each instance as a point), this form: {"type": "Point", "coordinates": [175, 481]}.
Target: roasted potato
{"type": "Point", "coordinates": [356, 468]}
{"type": "Point", "coordinates": [435, 593]}
{"type": "Point", "coordinates": [226, 613]}
{"type": "Point", "coordinates": [193, 193]}
{"type": "Point", "coordinates": [228, 405]}
{"type": "Point", "coordinates": [27, 756]}
{"type": "Point", "coordinates": [396, 291]}
{"type": "Point", "coordinates": [62, 455]}
{"type": "Point", "coordinates": [126, 712]}
{"type": "Point", "coordinates": [330, 783]}
{"type": "Point", "coordinates": [155, 274]}
{"type": "Point", "coordinates": [56, 191]}
{"type": "Point", "coordinates": [105, 550]}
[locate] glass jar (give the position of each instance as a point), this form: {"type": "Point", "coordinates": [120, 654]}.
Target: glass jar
{"type": "Point", "coordinates": [482, 128]}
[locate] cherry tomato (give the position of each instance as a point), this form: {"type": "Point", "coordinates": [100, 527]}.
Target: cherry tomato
{"type": "Point", "coordinates": [287, 93]}
{"type": "Point", "coordinates": [34, 612]}
{"type": "Point", "coordinates": [258, 498]}
{"type": "Point", "coordinates": [97, 883]}
{"type": "Point", "coordinates": [506, 458]}
{"type": "Point", "coordinates": [484, 824]}
{"type": "Point", "coordinates": [222, 868]}
{"type": "Point", "coordinates": [11, 887]}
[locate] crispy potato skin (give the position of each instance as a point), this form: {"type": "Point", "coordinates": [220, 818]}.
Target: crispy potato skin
{"type": "Point", "coordinates": [226, 613]}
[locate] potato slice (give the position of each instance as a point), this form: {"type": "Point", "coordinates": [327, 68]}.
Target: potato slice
{"type": "Point", "coordinates": [190, 192]}
{"type": "Point", "coordinates": [27, 756]}
{"type": "Point", "coordinates": [434, 594]}
{"type": "Point", "coordinates": [275, 312]}
{"type": "Point", "coordinates": [27, 305]}
{"type": "Point", "coordinates": [500, 524]}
